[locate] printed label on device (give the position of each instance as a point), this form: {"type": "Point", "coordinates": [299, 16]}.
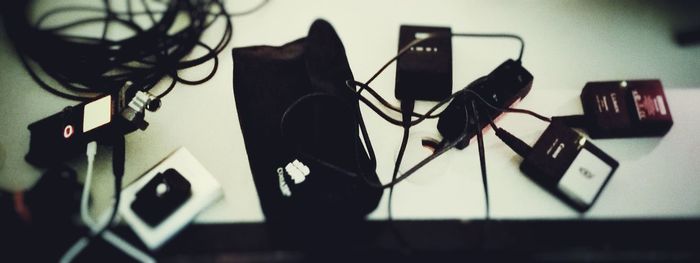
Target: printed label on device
{"type": "Point", "coordinates": [97, 113]}
{"type": "Point", "coordinates": [626, 109]}
{"type": "Point", "coordinates": [585, 177]}
{"type": "Point", "coordinates": [650, 103]}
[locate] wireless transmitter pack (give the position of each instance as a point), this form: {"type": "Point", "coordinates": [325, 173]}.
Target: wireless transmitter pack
{"type": "Point", "coordinates": [64, 135]}
{"type": "Point", "coordinates": [613, 109]}
{"type": "Point", "coordinates": [424, 72]}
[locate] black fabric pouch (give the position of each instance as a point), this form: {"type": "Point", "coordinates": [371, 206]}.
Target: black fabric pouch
{"type": "Point", "coordinates": [303, 82]}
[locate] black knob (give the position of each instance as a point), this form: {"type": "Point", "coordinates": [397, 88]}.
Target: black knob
{"type": "Point", "coordinates": [153, 105]}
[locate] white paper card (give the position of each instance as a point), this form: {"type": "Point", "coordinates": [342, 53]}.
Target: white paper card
{"type": "Point", "coordinates": [97, 113]}
{"type": "Point", "coordinates": [585, 177]}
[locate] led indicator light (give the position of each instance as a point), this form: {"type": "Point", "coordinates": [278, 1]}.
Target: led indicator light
{"type": "Point", "coordinates": [68, 131]}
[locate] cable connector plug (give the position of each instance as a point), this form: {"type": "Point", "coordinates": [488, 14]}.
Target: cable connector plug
{"type": "Point", "coordinates": [517, 145]}
{"type": "Point", "coordinates": [134, 112]}
{"type": "Point", "coordinates": [91, 151]}
{"type": "Point", "coordinates": [572, 121]}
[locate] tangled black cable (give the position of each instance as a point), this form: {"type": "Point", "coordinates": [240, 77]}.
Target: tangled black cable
{"type": "Point", "coordinates": [87, 66]}
{"type": "Point", "coordinates": [442, 147]}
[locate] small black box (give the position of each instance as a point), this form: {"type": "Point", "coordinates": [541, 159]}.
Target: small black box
{"type": "Point", "coordinates": [569, 166]}
{"type": "Point", "coordinates": [424, 72]}
{"type": "Point", "coordinates": [634, 108]}
{"type": "Point", "coordinates": [64, 135]}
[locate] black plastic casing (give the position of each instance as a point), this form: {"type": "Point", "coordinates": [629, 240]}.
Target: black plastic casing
{"type": "Point", "coordinates": [554, 155]}
{"type": "Point", "coordinates": [48, 147]}
{"type": "Point", "coordinates": [635, 108]}
{"type": "Point", "coordinates": [505, 85]}
{"type": "Point", "coordinates": [424, 72]}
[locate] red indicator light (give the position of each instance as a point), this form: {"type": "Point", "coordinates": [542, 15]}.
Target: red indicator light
{"type": "Point", "coordinates": [68, 131]}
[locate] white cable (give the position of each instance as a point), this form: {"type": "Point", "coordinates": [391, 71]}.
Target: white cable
{"type": "Point", "coordinates": [127, 248]}
{"type": "Point", "coordinates": [113, 239]}
{"type": "Point", "coordinates": [84, 215]}
{"type": "Point", "coordinates": [94, 225]}
{"type": "Point", "coordinates": [74, 250]}
{"type": "Point", "coordinates": [107, 235]}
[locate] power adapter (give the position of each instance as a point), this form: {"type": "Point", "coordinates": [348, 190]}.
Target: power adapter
{"type": "Point", "coordinates": [568, 165]}
{"type": "Point", "coordinates": [505, 85]}
{"type": "Point", "coordinates": [424, 72]}
{"type": "Point", "coordinates": [614, 109]}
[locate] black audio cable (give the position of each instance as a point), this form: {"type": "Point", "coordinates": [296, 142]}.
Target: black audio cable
{"type": "Point", "coordinates": [513, 110]}
{"type": "Point", "coordinates": [365, 86]}
{"type": "Point", "coordinates": [430, 113]}
{"type": "Point", "coordinates": [406, 109]}
{"type": "Point", "coordinates": [482, 156]}
{"type": "Point", "coordinates": [353, 86]}
{"type": "Point", "coordinates": [406, 122]}
{"type": "Point", "coordinates": [514, 143]}
{"type": "Point", "coordinates": [86, 66]}
{"type": "Point", "coordinates": [517, 145]}
{"type": "Point", "coordinates": [251, 10]}
{"type": "Point", "coordinates": [118, 165]}
{"type": "Point", "coordinates": [443, 147]}
{"type": "Point", "coordinates": [440, 35]}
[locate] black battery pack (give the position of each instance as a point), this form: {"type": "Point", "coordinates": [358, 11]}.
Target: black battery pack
{"type": "Point", "coordinates": [424, 72]}
{"type": "Point", "coordinates": [569, 166]}
{"type": "Point", "coordinates": [633, 108]}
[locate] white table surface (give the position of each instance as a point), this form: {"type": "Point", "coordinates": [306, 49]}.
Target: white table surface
{"type": "Point", "coordinates": [567, 44]}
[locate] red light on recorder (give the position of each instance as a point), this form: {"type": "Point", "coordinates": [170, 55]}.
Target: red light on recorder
{"type": "Point", "coordinates": [68, 131]}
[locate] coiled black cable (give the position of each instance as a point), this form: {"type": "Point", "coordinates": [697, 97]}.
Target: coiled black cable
{"type": "Point", "coordinates": [84, 67]}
